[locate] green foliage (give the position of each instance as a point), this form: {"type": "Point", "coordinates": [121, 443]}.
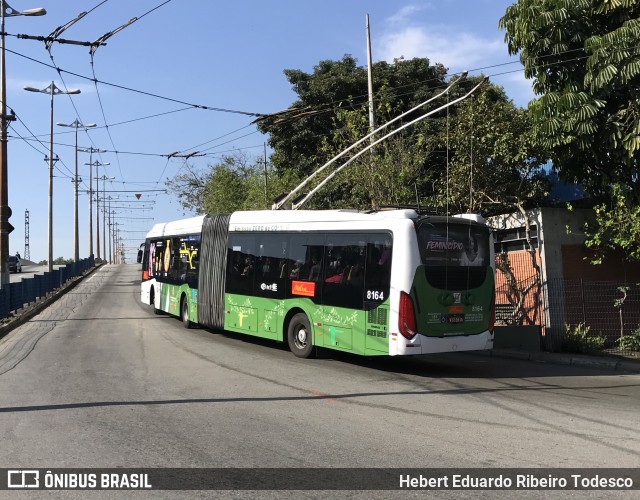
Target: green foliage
{"type": "Point", "coordinates": [62, 261]}
{"type": "Point", "coordinates": [617, 225]}
{"type": "Point", "coordinates": [309, 135]}
{"type": "Point", "coordinates": [494, 164]}
{"type": "Point", "coordinates": [236, 183]}
{"type": "Point", "coordinates": [577, 339]}
{"type": "Point", "coordinates": [331, 114]}
{"type": "Point", "coordinates": [630, 342]}
{"type": "Point", "coordinates": [494, 160]}
{"type": "Point", "coordinates": [59, 261]}
{"type": "Point", "coordinates": [189, 187]}
{"type": "Point", "coordinates": [584, 59]}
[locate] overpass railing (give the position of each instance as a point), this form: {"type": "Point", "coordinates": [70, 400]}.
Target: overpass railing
{"type": "Point", "coordinates": [14, 296]}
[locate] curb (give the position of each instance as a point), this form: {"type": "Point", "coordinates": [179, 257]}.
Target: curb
{"type": "Point", "coordinates": [27, 312]}
{"type": "Point", "coordinates": [568, 359]}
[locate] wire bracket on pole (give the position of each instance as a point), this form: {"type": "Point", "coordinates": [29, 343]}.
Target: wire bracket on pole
{"type": "Point", "coordinates": [106, 36]}
{"type": "Point", "coordinates": [60, 29]}
{"type": "Point", "coordinates": [6, 118]}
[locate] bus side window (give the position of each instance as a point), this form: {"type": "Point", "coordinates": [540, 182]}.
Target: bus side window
{"type": "Point", "coordinates": [305, 255]}
{"type": "Point", "coordinates": [297, 268]}
{"type": "Point", "coordinates": [343, 270]}
{"type": "Point", "coordinates": [377, 279]}
{"type": "Point", "coordinates": [176, 266]}
{"type": "Point", "coordinates": [241, 261]}
{"type": "Point", "coordinates": [157, 258]}
{"type": "Point", "coordinates": [271, 256]}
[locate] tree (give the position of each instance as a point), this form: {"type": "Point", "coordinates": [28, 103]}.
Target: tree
{"type": "Point", "coordinates": [584, 59]}
{"type": "Point", "coordinates": [237, 182]}
{"type": "Point", "coordinates": [189, 187]}
{"type": "Point", "coordinates": [305, 137]}
{"type": "Point", "coordinates": [495, 168]}
{"type": "Point", "coordinates": [494, 161]}
{"type": "Point", "coordinates": [616, 225]}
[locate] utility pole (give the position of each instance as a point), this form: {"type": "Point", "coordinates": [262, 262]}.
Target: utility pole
{"type": "Point", "coordinates": [96, 164]}
{"type": "Point", "coordinates": [91, 150]}
{"type": "Point", "coordinates": [5, 211]}
{"type": "Point", "coordinates": [372, 121]}
{"type": "Point", "coordinates": [26, 254]}
{"type": "Point", "coordinates": [76, 244]}
{"type": "Point", "coordinates": [52, 90]}
{"type": "Point", "coordinates": [104, 216]}
{"type": "Point", "coordinates": [110, 230]}
{"type": "Point", "coordinates": [266, 187]}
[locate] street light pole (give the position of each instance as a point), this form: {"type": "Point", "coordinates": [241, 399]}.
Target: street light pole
{"type": "Point", "coordinates": [104, 216]}
{"type": "Point", "coordinates": [76, 245]}
{"type": "Point", "coordinates": [52, 90]}
{"type": "Point", "coordinates": [5, 211]}
{"type": "Point", "coordinates": [91, 150]}
{"type": "Point", "coordinates": [96, 164]}
{"type": "Point", "coordinates": [109, 229]}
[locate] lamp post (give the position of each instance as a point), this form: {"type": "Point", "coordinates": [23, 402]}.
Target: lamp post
{"type": "Point", "coordinates": [5, 211]}
{"type": "Point", "coordinates": [76, 246]}
{"type": "Point", "coordinates": [91, 150]}
{"type": "Point", "coordinates": [97, 164]}
{"type": "Point", "coordinates": [52, 90]}
{"type": "Point", "coordinates": [104, 216]}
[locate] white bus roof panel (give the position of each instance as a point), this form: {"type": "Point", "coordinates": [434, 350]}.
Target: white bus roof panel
{"type": "Point", "coordinates": [297, 216]}
{"type": "Point", "coordinates": [183, 226]}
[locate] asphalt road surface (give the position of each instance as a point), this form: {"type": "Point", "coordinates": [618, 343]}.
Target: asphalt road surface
{"type": "Point", "coordinates": [98, 380]}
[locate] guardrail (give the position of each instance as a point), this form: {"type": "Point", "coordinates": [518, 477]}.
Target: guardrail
{"type": "Point", "coordinates": [14, 296]}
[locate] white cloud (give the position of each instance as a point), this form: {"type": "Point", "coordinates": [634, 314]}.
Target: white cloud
{"type": "Point", "coordinates": [457, 51]}
{"type": "Point", "coordinates": [405, 13]}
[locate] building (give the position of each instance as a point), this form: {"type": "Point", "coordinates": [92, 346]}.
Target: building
{"type": "Point", "coordinates": [570, 289]}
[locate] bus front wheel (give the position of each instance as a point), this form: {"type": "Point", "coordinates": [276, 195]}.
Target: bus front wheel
{"type": "Point", "coordinates": [152, 299]}
{"type": "Point", "coordinates": [299, 336]}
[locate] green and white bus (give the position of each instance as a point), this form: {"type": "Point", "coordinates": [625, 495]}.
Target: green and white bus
{"type": "Point", "coordinates": [376, 283]}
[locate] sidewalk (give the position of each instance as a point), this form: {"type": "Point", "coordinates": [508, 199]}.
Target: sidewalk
{"type": "Point", "coordinates": [561, 358]}
{"type": "Point", "coordinates": [28, 311]}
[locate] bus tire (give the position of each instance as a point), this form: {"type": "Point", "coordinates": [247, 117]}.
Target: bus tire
{"type": "Point", "coordinates": [152, 299]}
{"type": "Point", "coordinates": [184, 312]}
{"type": "Point", "coordinates": [299, 336]}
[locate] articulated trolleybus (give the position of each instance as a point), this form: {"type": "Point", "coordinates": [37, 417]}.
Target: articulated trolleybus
{"type": "Point", "coordinates": [378, 283]}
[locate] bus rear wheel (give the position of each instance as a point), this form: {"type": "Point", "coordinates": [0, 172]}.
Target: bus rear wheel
{"type": "Point", "coordinates": [184, 312]}
{"type": "Point", "coordinates": [299, 336]}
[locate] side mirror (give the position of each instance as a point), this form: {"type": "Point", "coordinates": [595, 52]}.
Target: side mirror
{"type": "Point", "coordinates": [139, 259]}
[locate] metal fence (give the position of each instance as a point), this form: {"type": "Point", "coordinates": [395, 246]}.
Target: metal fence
{"type": "Point", "coordinates": [610, 309]}
{"type": "Point", "coordinates": [14, 296]}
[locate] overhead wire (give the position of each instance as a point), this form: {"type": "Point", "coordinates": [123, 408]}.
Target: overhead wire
{"type": "Point", "coordinates": [45, 147]}
{"type": "Point", "coordinates": [142, 92]}
{"type": "Point", "coordinates": [192, 106]}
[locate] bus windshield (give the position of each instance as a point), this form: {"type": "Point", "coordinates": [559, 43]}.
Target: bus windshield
{"type": "Point", "coordinates": [453, 244]}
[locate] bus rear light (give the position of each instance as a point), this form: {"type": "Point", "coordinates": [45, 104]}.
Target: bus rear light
{"type": "Point", "coordinates": [407, 317]}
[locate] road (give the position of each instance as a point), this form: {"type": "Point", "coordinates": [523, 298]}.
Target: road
{"type": "Point", "coordinates": [98, 380]}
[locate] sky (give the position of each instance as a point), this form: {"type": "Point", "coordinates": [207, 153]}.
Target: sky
{"type": "Point", "coordinates": [146, 88]}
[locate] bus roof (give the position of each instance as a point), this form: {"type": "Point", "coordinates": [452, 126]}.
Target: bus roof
{"type": "Point", "coordinates": [256, 217]}
{"type": "Point", "coordinates": [182, 226]}
{"type": "Point", "coordinates": [292, 216]}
